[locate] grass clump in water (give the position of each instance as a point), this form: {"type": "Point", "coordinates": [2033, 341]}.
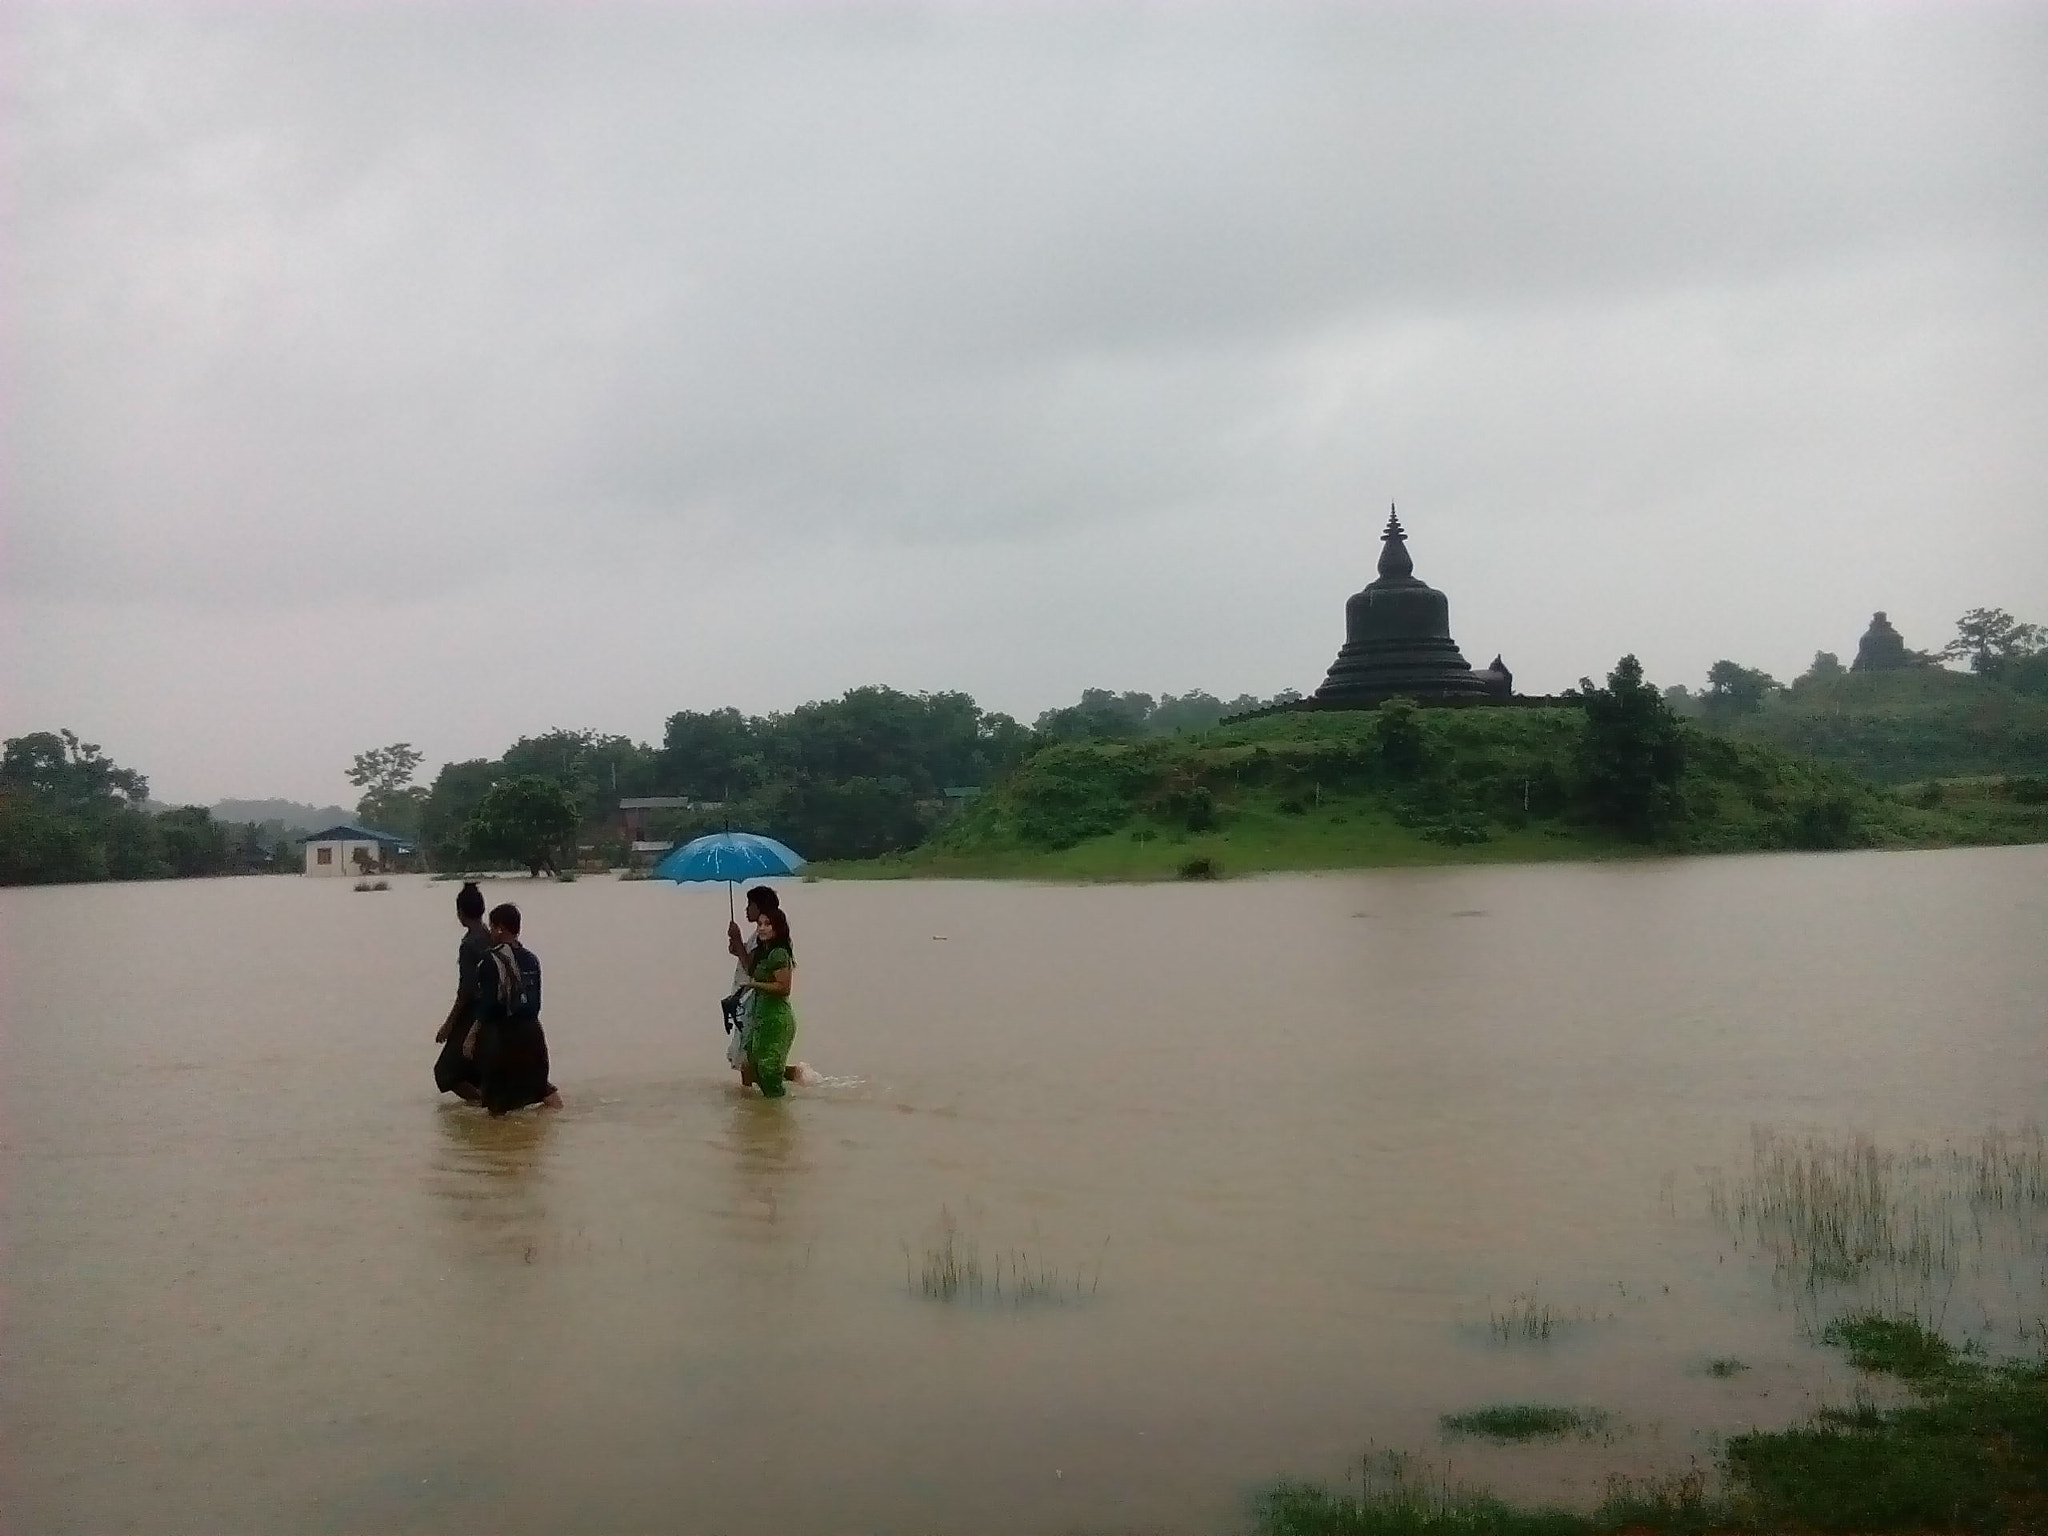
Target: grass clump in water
{"type": "Point", "coordinates": [1892, 1346]}
{"type": "Point", "coordinates": [1725, 1367]}
{"type": "Point", "coordinates": [1524, 1421]}
{"type": "Point", "coordinates": [1398, 1497]}
{"type": "Point", "coordinates": [1971, 1454]}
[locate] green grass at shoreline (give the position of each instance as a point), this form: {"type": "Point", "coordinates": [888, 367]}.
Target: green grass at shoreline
{"type": "Point", "coordinates": [1258, 840]}
{"type": "Point", "coordinates": [1969, 1453]}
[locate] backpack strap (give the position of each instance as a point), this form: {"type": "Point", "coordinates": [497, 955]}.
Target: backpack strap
{"type": "Point", "coordinates": [511, 985]}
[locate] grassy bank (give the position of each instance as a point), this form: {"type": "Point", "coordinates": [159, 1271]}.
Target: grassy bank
{"type": "Point", "coordinates": [1969, 1453]}
{"type": "Point", "coordinates": [1451, 786]}
{"type": "Point", "coordinates": [1342, 833]}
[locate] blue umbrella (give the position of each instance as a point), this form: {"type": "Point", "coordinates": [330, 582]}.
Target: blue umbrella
{"type": "Point", "coordinates": [727, 856]}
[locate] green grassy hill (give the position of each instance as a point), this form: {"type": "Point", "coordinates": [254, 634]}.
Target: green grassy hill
{"type": "Point", "coordinates": [1321, 791]}
{"type": "Point", "coordinates": [1906, 726]}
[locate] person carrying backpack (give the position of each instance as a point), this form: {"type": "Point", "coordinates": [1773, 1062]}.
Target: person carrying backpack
{"type": "Point", "coordinates": [507, 1042]}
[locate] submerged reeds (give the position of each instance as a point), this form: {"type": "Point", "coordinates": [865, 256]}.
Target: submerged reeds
{"type": "Point", "coordinates": [1528, 1319]}
{"type": "Point", "coordinates": [1863, 1225]}
{"type": "Point", "coordinates": [954, 1270]}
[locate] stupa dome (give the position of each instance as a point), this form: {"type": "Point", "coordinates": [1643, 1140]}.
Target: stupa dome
{"type": "Point", "coordinates": [1397, 637]}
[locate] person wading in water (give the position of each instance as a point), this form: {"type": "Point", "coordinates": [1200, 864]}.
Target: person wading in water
{"type": "Point", "coordinates": [509, 1047]}
{"type": "Point", "coordinates": [455, 1070]}
{"type": "Point", "coordinates": [771, 1022]}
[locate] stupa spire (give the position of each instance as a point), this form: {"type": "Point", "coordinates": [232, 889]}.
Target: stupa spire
{"type": "Point", "coordinates": [1394, 559]}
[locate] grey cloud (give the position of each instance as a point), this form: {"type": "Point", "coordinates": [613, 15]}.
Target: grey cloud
{"type": "Point", "coordinates": [471, 293]}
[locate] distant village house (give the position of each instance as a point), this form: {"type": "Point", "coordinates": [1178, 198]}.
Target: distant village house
{"type": "Point", "coordinates": [347, 849]}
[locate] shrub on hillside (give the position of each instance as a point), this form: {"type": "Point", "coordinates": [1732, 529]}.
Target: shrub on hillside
{"type": "Point", "coordinates": [1404, 746]}
{"type": "Point", "coordinates": [1071, 792]}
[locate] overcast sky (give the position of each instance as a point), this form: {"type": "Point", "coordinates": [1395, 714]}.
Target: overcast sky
{"type": "Point", "coordinates": [448, 373]}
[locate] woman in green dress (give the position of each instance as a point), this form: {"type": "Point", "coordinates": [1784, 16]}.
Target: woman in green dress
{"type": "Point", "coordinates": [772, 1030]}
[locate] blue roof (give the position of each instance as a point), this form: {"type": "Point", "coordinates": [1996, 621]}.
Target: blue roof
{"type": "Point", "coordinates": [349, 832]}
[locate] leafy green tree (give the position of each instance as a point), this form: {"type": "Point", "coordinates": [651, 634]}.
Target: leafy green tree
{"type": "Point", "coordinates": [41, 845]}
{"type": "Point", "coordinates": [1100, 716]}
{"type": "Point", "coordinates": [856, 818]}
{"type": "Point", "coordinates": [1632, 754]}
{"type": "Point", "coordinates": [1683, 702]}
{"type": "Point", "coordinates": [928, 740]}
{"type": "Point", "coordinates": [134, 846]}
{"type": "Point", "coordinates": [251, 845]}
{"type": "Point", "coordinates": [1992, 641]}
{"type": "Point", "coordinates": [390, 802]}
{"type": "Point", "coordinates": [712, 754]}
{"type": "Point", "coordinates": [2027, 674]}
{"type": "Point", "coordinates": [1000, 744]}
{"type": "Point", "coordinates": [67, 812]}
{"type": "Point", "coordinates": [528, 820]}
{"type": "Point", "coordinates": [1191, 711]}
{"type": "Point", "coordinates": [1826, 666]}
{"type": "Point", "coordinates": [594, 769]}
{"type": "Point", "coordinates": [66, 773]}
{"type": "Point", "coordinates": [382, 770]}
{"type": "Point", "coordinates": [193, 842]}
{"type": "Point", "coordinates": [1733, 691]}
{"type": "Point", "coordinates": [457, 791]}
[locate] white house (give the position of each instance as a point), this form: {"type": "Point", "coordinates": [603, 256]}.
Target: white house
{"type": "Point", "coordinates": [346, 849]}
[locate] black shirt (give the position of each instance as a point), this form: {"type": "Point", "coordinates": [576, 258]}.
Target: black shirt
{"type": "Point", "coordinates": [476, 943]}
{"type": "Point", "coordinates": [489, 1005]}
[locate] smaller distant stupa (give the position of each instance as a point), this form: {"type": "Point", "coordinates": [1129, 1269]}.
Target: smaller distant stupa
{"type": "Point", "coordinates": [1397, 640]}
{"type": "Point", "coordinates": [1882, 648]}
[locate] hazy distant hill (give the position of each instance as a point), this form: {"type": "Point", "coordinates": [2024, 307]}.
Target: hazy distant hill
{"type": "Point", "coordinates": [303, 818]}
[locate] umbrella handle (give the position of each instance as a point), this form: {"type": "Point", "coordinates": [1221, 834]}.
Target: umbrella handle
{"type": "Point", "coordinates": [729, 912]}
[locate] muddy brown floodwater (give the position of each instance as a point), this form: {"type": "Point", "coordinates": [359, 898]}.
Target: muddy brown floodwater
{"type": "Point", "coordinates": [1265, 1159]}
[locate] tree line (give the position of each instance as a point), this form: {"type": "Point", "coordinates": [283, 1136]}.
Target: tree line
{"type": "Point", "coordinates": [1989, 642]}
{"type": "Point", "coordinates": [70, 813]}
{"type": "Point", "coordinates": [852, 777]}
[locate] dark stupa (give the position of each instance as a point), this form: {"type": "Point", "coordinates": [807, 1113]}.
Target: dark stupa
{"type": "Point", "coordinates": [1882, 648]}
{"type": "Point", "coordinates": [1397, 639]}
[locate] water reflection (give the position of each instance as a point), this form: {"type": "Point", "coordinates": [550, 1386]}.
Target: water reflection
{"type": "Point", "coordinates": [491, 1174]}
{"type": "Point", "coordinates": [764, 1149]}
